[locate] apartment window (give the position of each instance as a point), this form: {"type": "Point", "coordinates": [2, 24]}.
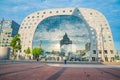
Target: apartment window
{"type": "Point", "coordinates": [109, 36]}
{"type": "Point", "coordinates": [28, 17]}
{"type": "Point", "coordinates": [100, 51]}
{"type": "Point", "coordinates": [104, 40]}
{"type": "Point", "coordinates": [38, 13]}
{"type": "Point", "coordinates": [77, 10]}
{"type": "Point", "coordinates": [105, 51]}
{"type": "Point", "coordinates": [111, 51]}
{"type": "Point", "coordinates": [42, 16]}
{"type": "Point", "coordinates": [110, 40]}
{"type": "Point", "coordinates": [107, 28]}
{"type": "Point", "coordinates": [90, 13]}
{"type": "Point", "coordinates": [44, 12]}
{"type": "Point", "coordinates": [37, 16]}
{"type": "Point", "coordinates": [28, 27]}
{"type": "Point", "coordinates": [32, 16]}
{"type": "Point", "coordinates": [9, 35]}
{"type": "Point", "coordinates": [94, 51]}
{"type": "Point", "coordinates": [70, 10]}
{"type": "Point", "coordinates": [6, 33]}
{"type": "Point", "coordinates": [50, 12]}
{"type": "Point", "coordinates": [5, 45]}
{"type": "Point", "coordinates": [63, 11]}
{"type": "Point", "coordinates": [57, 11]}
{"type": "Point", "coordinates": [105, 24]}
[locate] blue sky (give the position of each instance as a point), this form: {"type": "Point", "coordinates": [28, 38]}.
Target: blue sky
{"type": "Point", "coordinates": [18, 9]}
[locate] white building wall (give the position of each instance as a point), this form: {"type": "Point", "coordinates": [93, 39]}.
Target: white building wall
{"type": "Point", "coordinates": [95, 20]}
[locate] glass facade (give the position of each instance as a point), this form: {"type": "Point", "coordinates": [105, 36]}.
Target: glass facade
{"type": "Point", "coordinates": [8, 29]}
{"type": "Point", "coordinates": [51, 31]}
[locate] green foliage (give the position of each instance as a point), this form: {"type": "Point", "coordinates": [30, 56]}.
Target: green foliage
{"type": "Point", "coordinates": [106, 58]}
{"type": "Point", "coordinates": [27, 51]}
{"type": "Point", "coordinates": [36, 52]}
{"type": "Point", "coordinates": [16, 43]}
{"type": "Point", "coordinates": [117, 57]}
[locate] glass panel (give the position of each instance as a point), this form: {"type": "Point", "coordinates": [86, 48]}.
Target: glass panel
{"type": "Point", "coordinates": [63, 33]}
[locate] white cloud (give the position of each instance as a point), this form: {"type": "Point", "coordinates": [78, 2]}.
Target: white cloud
{"type": "Point", "coordinates": [19, 8]}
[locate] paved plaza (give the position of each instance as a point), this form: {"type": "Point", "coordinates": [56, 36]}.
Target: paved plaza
{"type": "Point", "coordinates": [50, 71]}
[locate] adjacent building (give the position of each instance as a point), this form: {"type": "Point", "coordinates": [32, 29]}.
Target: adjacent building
{"type": "Point", "coordinates": [8, 29]}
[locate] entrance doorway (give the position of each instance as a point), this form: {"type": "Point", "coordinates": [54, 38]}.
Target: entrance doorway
{"type": "Point", "coordinates": [93, 58]}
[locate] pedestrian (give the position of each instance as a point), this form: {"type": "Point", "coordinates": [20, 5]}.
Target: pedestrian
{"type": "Point", "coordinates": [37, 59]}
{"type": "Point", "coordinates": [65, 61]}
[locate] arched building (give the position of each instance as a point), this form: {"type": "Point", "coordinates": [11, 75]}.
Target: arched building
{"type": "Point", "coordinates": [88, 30]}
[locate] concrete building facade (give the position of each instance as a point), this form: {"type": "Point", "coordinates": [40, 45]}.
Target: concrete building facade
{"type": "Point", "coordinates": [99, 35]}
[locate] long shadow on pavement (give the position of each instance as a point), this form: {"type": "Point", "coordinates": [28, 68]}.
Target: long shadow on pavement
{"type": "Point", "coordinates": [56, 75]}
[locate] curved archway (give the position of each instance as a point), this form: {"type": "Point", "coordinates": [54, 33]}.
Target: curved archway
{"type": "Point", "coordinates": [51, 30]}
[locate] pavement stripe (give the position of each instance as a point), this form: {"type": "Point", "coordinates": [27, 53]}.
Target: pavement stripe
{"type": "Point", "coordinates": [2, 74]}
{"type": "Point", "coordinates": [15, 65]}
{"type": "Point", "coordinates": [112, 74]}
{"type": "Point", "coordinates": [56, 75]}
{"type": "Point", "coordinates": [115, 69]}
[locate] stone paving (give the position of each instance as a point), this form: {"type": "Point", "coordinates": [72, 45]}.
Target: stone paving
{"type": "Point", "coordinates": [41, 71]}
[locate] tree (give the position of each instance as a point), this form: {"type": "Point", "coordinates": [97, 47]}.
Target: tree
{"type": "Point", "coordinates": [15, 43]}
{"type": "Point", "coordinates": [106, 58]}
{"type": "Point", "coordinates": [36, 52]}
{"type": "Point", "coordinates": [27, 51]}
{"type": "Point", "coordinates": [117, 57]}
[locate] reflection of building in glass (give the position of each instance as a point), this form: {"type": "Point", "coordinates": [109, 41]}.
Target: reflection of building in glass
{"type": "Point", "coordinates": [65, 40]}
{"type": "Point", "coordinates": [66, 45]}
{"type": "Point", "coordinates": [88, 31]}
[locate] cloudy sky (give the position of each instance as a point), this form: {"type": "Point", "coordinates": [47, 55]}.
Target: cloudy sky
{"type": "Point", "coordinates": [18, 9]}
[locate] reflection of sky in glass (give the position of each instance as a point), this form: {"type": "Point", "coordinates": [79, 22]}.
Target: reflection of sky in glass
{"type": "Point", "coordinates": [51, 30]}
